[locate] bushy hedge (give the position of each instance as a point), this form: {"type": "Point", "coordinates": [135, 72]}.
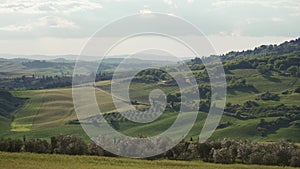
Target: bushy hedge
{"type": "Point", "coordinates": [230, 151]}
{"type": "Point", "coordinates": [225, 151]}
{"type": "Point", "coordinates": [268, 96]}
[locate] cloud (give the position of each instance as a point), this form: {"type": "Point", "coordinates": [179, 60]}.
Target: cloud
{"type": "Point", "coordinates": [43, 22]}
{"type": "Point", "coordinates": [146, 10]}
{"type": "Point", "coordinates": [42, 7]}
{"type": "Point", "coordinates": [277, 19]}
{"type": "Point", "coordinates": [277, 4]}
{"type": "Point", "coordinates": [16, 28]}
{"type": "Point", "coordinates": [56, 22]}
{"type": "Point", "coordinates": [171, 3]}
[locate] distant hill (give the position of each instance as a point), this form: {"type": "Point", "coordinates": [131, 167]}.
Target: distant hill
{"type": "Point", "coordinates": [73, 58]}
{"type": "Point", "coordinates": [265, 50]}
{"type": "Point", "coordinates": [14, 60]}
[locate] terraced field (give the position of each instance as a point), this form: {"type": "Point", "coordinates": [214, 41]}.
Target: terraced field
{"type": "Point", "coordinates": [48, 112]}
{"type": "Point", "coordinates": [23, 118]}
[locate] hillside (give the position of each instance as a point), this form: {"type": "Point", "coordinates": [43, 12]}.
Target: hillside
{"type": "Point", "coordinates": [9, 103]}
{"type": "Point", "coordinates": [49, 112]}
{"type": "Point", "coordinates": [262, 101]}
{"type": "Point", "coordinates": [265, 50]}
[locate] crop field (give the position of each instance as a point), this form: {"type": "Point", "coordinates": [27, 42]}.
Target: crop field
{"type": "Point", "coordinates": [46, 161]}
{"type": "Point", "coordinates": [48, 112]}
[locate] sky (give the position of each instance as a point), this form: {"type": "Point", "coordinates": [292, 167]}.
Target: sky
{"type": "Point", "coordinates": [31, 27]}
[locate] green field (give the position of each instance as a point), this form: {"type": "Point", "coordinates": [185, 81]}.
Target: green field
{"type": "Point", "coordinates": [47, 112]}
{"type": "Point", "coordinates": [37, 161]}
{"type": "Point", "coordinates": [276, 84]}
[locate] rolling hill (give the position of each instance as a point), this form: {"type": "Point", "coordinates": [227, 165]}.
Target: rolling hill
{"type": "Point", "coordinates": [262, 101]}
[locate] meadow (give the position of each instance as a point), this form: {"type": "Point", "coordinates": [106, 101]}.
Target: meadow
{"type": "Point", "coordinates": [48, 112]}
{"type": "Point", "coordinates": [46, 161]}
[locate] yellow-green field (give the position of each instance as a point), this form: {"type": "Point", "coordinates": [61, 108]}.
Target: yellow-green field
{"type": "Point", "coordinates": [46, 161]}
{"type": "Point", "coordinates": [50, 108]}
{"type": "Point", "coordinates": [47, 113]}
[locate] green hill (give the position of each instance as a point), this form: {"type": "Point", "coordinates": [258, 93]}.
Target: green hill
{"type": "Point", "coordinates": [265, 50]}
{"type": "Point", "coordinates": [262, 102]}
{"type": "Point", "coordinates": [48, 112]}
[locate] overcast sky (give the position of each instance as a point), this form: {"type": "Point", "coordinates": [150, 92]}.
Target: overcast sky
{"type": "Point", "coordinates": [62, 27]}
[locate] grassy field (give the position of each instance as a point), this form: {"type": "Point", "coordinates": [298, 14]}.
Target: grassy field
{"type": "Point", "coordinates": [273, 83]}
{"type": "Point", "coordinates": [5, 124]}
{"type": "Point", "coordinates": [47, 113]}
{"type": "Point", "coordinates": [46, 161]}
{"type": "Point", "coordinates": [23, 118]}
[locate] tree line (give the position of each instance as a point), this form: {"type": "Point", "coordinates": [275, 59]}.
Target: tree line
{"type": "Point", "coordinates": [46, 81]}
{"type": "Point", "coordinates": [226, 151]}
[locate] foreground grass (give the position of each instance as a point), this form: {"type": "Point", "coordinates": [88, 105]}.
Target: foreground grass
{"type": "Point", "coordinates": [45, 161]}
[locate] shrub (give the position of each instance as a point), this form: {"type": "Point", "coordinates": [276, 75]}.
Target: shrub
{"type": "Point", "coordinates": [270, 159]}
{"type": "Point", "coordinates": [222, 156]}
{"type": "Point", "coordinates": [94, 149]}
{"type": "Point", "coordinates": [37, 146]}
{"type": "Point", "coordinates": [262, 68]}
{"type": "Point", "coordinates": [4, 145]}
{"type": "Point", "coordinates": [69, 144]}
{"type": "Point", "coordinates": [256, 158]}
{"type": "Point", "coordinates": [293, 70]}
{"type": "Point", "coordinates": [295, 161]}
{"type": "Point", "coordinates": [15, 145]}
{"type": "Point", "coordinates": [268, 96]}
{"type": "Point", "coordinates": [297, 90]}
{"type": "Point", "coordinates": [204, 150]}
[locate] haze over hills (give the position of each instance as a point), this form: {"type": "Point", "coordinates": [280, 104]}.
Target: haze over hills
{"type": "Point", "coordinates": [263, 50]}
{"type": "Point", "coordinates": [68, 58]}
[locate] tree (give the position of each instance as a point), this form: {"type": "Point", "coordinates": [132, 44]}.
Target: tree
{"type": "Point", "coordinates": [94, 149]}
{"type": "Point", "coordinates": [4, 145]}
{"type": "Point", "coordinates": [295, 161]}
{"type": "Point", "coordinates": [37, 146]}
{"type": "Point", "coordinates": [173, 98]}
{"type": "Point", "coordinates": [204, 150]}
{"type": "Point", "coordinates": [262, 68]}
{"type": "Point", "coordinates": [293, 70]}
{"type": "Point", "coordinates": [222, 156]}
{"type": "Point", "coordinates": [15, 145]}
{"type": "Point", "coordinates": [297, 90]}
{"type": "Point", "coordinates": [54, 145]}
{"type": "Point", "coordinates": [69, 144]}
{"type": "Point", "coordinates": [270, 159]}
{"type": "Point", "coordinates": [256, 158]}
